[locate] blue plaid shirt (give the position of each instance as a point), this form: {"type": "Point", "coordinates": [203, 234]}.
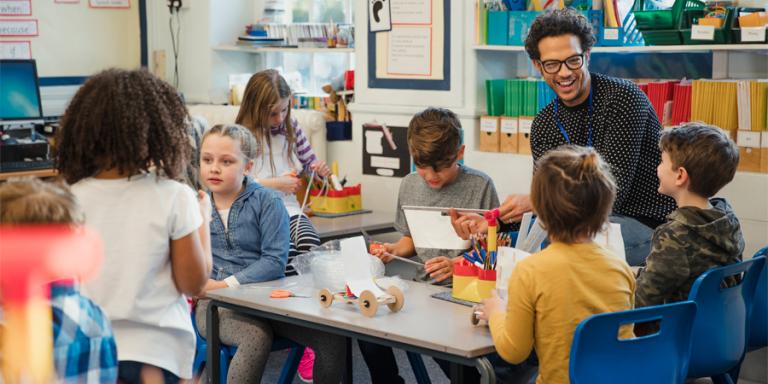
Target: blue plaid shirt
{"type": "Point", "coordinates": [84, 349]}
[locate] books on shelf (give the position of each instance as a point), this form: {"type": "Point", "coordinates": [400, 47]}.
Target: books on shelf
{"type": "Point", "coordinates": [259, 41]}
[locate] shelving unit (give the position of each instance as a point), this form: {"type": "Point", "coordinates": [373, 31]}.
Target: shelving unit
{"type": "Point", "coordinates": [641, 49]}
{"type": "Point", "coordinates": [246, 49]}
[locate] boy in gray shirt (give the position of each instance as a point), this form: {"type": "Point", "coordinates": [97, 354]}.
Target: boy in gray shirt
{"type": "Point", "coordinates": [434, 141]}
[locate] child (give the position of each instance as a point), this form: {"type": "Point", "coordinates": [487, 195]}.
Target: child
{"type": "Point", "coordinates": [83, 344]}
{"type": "Point", "coordinates": [697, 160]}
{"type": "Point", "coordinates": [283, 151]}
{"type": "Point", "coordinates": [123, 140]}
{"type": "Point", "coordinates": [551, 291]}
{"type": "Point", "coordinates": [249, 233]}
{"type": "Point", "coordinates": [434, 141]}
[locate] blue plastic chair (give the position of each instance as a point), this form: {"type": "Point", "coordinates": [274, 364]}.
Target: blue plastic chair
{"type": "Point", "coordinates": [758, 329]}
{"type": "Point", "coordinates": [227, 352]}
{"type": "Point", "coordinates": [599, 356]}
{"type": "Point", "coordinates": [720, 329]}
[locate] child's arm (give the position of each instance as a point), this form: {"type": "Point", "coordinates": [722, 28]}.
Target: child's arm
{"type": "Point", "coordinates": [205, 229]}
{"type": "Point", "coordinates": [303, 149]}
{"type": "Point", "coordinates": [189, 264]}
{"type": "Point", "coordinates": [403, 248]}
{"type": "Point", "coordinates": [440, 268]}
{"type": "Point", "coordinates": [275, 241]}
{"type": "Point", "coordinates": [512, 330]}
{"type": "Point", "coordinates": [666, 269]}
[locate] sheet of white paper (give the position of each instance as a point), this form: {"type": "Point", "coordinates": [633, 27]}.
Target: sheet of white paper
{"type": "Point", "coordinates": [611, 238]}
{"type": "Point", "coordinates": [506, 260]}
{"type": "Point", "coordinates": [412, 12]}
{"type": "Point", "coordinates": [410, 51]}
{"type": "Point", "coordinates": [357, 266]}
{"type": "Point", "coordinates": [430, 229]}
{"type": "Point", "coordinates": [525, 224]}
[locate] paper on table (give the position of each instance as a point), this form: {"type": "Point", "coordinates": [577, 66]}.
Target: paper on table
{"type": "Point", "coordinates": [430, 229]}
{"type": "Point", "coordinates": [357, 266]}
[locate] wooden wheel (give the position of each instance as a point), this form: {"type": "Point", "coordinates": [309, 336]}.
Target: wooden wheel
{"type": "Point", "coordinates": [475, 319]}
{"type": "Point", "coordinates": [326, 297]}
{"type": "Point", "coordinates": [399, 298]}
{"type": "Point", "coordinates": [368, 303]}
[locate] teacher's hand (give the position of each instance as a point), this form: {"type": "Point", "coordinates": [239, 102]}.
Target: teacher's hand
{"type": "Point", "coordinates": [513, 208]}
{"type": "Point", "coordinates": [466, 224]}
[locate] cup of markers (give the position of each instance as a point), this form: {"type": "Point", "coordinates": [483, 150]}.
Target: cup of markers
{"type": "Point", "coordinates": [474, 277]}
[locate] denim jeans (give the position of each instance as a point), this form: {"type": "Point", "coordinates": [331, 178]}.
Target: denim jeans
{"type": "Point", "coordinates": [637, 238]}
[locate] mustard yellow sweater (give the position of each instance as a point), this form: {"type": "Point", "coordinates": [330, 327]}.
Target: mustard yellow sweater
{"type": "Point", "coordinates": [550, 293]}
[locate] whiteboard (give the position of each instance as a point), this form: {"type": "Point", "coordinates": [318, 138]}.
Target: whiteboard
{"type": "Point", "coordinates": [74, 39]}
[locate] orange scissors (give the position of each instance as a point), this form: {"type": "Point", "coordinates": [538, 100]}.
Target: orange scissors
{"type": "Point", "coordinates": [283, 294]}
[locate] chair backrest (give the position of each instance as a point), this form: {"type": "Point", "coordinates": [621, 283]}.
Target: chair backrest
{"type": "Point", "coordinates": [758, 328]}
{"type": "Point", "coordinates": [720, 329]}
{"type": "Point", "coordinates": [599, 356]}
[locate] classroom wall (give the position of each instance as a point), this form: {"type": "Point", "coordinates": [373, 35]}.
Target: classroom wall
{"type": "Point", "coordinates": [76, 40]}
{"type": "Point", "coordinates": [748, 193]}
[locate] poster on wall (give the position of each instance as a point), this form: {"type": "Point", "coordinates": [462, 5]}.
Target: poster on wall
{"type": "Point", "coordinates": [118, 4]}
{"type": "Point", "coordinates": [15, 7]}
{"type": "Point", "coordinates": [18, 27]}
{"type": "Point", "coordinates": [66, 1]}
{"type": "Point", "coordinates": [415, 54]}
{"type": "Point", "coordinates": [385, 150]}
{"type": "Point", "coordinates": [379, 15]}
{"type": "Point", "coordinates": [15, 50]}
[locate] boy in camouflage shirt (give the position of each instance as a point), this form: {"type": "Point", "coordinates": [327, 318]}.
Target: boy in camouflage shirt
{"type": "Point", "coordinates": [703, 232]}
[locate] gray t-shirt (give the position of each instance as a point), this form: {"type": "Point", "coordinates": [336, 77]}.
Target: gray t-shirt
{"type": "Point", "coordinates": [471, 189]}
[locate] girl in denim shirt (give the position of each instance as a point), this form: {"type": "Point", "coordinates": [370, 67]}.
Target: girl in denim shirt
{"type": "Point", "coordinates": [250, 241]}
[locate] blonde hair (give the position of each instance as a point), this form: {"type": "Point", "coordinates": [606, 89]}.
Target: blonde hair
{"type": "Point", "coordinates": [31, 201]}
{"type": "Point", "coordinates": [572, 193]}
{"type": "Point", "coordinates": [264, 91]}
{"type": "Point", "coordinates": [239, 134]}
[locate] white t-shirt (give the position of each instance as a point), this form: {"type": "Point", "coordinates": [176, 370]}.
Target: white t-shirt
{"type": "Point", "coordinates": [137, 218]}
{"type": "Point", "coordinates": [262, 169]}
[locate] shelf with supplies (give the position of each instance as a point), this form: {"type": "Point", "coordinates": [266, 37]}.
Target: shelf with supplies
{"type": "Point", "coordinates": [247, 49]}
{"type": "Point", "coordinates": [642, 49]}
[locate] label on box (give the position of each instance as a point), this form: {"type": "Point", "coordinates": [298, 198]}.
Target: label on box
{"type": "Point", "coordinates": [489, 124]}
{"type": "Point", "coordinates": [752, 34]}
{"type": "Point", "coordinates": [702, 32]}
{"type": "Point", "coordinates": [764, 140]}
{"type": "Point", "coordinates": [525, 125]}
{"type": "Point", "coordinates": [610, 34]}
{"type": "Point", "coordinates": [748, 139]}
{"type": "Point", "coordinates": [509, 125]}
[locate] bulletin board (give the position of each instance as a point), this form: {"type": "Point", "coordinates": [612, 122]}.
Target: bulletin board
{"type": "Point", "coordinates": [415, 53]}
{"type": "Point", "coordinates": [71, 38]}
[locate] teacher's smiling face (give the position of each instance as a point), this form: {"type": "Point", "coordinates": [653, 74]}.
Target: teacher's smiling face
{"type": "Point", "coordinates": [564, 66]}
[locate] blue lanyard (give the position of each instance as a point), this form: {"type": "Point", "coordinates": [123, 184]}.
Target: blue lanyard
{"type": "Point", "coordinates": [589, 122]}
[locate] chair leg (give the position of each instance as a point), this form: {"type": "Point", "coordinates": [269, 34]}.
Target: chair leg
{"type": "Point", "coordinates": [291, 365]}
{"type": "Point", "coordinates": [224, 364]}
{"type": "Point", "coordinates": [419, 370]}
{"type": "Point", "coordinates": [723, 378]}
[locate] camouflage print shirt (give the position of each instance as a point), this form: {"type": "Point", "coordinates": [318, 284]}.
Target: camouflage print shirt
{"type": "Point", "coordinates": [691, 242]}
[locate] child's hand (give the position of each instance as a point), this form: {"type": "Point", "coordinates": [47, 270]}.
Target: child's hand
{"type": "Point", "coordinates": [490, 306]}
{"type": "Point", "coordinates": [383, 251]}
{"type": "Point", "coordinates": [213, 284]}
{"type": "Point", "coordinates": [321, 168]}
{"type": "Point", "coordinates": [439, 268]}
{"type": "Point", "coordinates": [288, 183]}
{"type": "Point", "coordinates": [205, 205]}
{"type": "Point", "coordinates": [466, 224]}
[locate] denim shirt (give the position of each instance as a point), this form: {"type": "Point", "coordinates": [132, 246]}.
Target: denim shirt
{"type": "Point", "coordinates": [254, 247]}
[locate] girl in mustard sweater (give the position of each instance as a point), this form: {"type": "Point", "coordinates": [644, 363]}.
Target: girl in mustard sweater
{"type": "Point", "coordinates": [552, 291]}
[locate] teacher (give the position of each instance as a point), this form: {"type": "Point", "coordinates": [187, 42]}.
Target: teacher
{"type": "Point", "coordinates": [612, 115]}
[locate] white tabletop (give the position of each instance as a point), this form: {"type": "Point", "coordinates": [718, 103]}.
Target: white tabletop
{"type": "Point", "coordinates": [423, 321]}
{"type": "Point", "coordinates": [349, 225]}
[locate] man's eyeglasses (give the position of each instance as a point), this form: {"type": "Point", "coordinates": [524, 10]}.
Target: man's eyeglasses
{"type": "Point", "coordinates": [553, 66]}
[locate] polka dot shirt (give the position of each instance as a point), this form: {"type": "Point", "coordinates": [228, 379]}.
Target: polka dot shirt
{"type": "Point", "coordinates": [625, 131]}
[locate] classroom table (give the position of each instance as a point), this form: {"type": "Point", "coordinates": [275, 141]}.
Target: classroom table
{"type": "Point", "coordinates": [339, 227]}
{"type": "Point", "coordinates": [424, 324]}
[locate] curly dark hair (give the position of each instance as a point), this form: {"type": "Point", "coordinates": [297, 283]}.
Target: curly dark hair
{"type": "Point", "coordinates": [557, 23]}
{"type": "Point", "coordinates": [124, 120]}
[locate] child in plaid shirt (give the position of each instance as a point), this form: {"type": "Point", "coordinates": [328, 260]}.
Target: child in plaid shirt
{"type": "Point", "coordinates": [84, 348]}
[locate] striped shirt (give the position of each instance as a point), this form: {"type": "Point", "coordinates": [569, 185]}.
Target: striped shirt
{"type": "Point", "coordinates": [302, 147]}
